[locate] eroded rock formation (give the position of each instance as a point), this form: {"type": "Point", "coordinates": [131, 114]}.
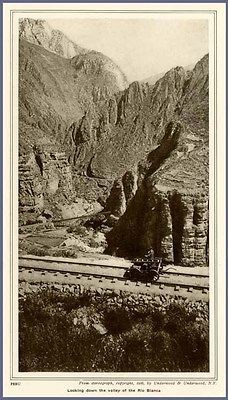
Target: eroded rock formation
{"type": "Point", "coordinates": [142, 149]}
{"type": "Point", "coordinates": [173, 224]}
{"type": "Point", "coordinates": [169, 211]}
{"type": "Point", "coordinates": [123, 190]}
{"type": "Point", "coordinates": [45, 178]}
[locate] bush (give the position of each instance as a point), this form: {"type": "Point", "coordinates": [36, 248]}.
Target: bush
{"type": "Point", "coordinates": [93, 243]}
{"type": "Point", "coordinates": [78, 230]}
{"type": "Point", "coordinates": [117, 320]}
{"type": "Point", "coordinates": [56, 333]}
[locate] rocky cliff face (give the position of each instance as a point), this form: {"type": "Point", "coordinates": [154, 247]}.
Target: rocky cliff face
{"type": "Point", "coordinates": [122, 192]}
{"type": "Point", "coordinates": [39, 32]}
{"type": "Point", "coordinates": [80, 105]}
{"type": "Point", "coordinates": [154, 78]}
{"type": "Point", "coordinates": [61, 102]}
{"type": "Point", "coordinates": [55, 93]}
{"type": "Point", "coordinates": [169, 211]}
{"type": "Point", "coordinates": [130, 125]}
{"type": "Point", "coordinates": [45, 179]}
{"type": "Point", "coordinates": [143, 149]}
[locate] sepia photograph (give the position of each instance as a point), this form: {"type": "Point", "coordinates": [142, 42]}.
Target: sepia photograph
{"type": "Point", "coordinates": [115, 202]}
{"type": "Point", "coordinates": [113, 195]}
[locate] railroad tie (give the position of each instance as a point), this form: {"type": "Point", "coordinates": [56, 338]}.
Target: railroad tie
{"type": "Point", "coordinates": [62, 275]}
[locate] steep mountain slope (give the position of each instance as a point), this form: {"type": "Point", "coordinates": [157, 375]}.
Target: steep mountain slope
{"type": "Point", "coordinates": [48, 101]}
{"type": "Point", "coordinates": [151, 80]}
{"type": "Point", "coordinates": [142, 148]}
{"type": "Point", "coordinates": [133, 122]}
{"type": "Point", "coordinates": [54, 94]}
{"type": "Point", "coordinates": [169, 211]}
{"type": "Point", "coordinates": [39, 32]}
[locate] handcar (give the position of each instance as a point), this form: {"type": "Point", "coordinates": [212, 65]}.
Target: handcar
{"type": "Point", "coordinates": [144, 270]}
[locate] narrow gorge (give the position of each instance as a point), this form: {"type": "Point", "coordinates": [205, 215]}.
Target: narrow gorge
{"type": "Point", "coordinates": [140, 150]}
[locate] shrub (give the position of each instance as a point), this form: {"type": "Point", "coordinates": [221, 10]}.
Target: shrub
{"type": "Point", "coordinates": [94, 243]}
{"type": "Point", "coordinates": [117, 320]}
{"type": "Point", "coordinates": [78, 230]}
{"type": "Point", "coordinates": [139, 338]}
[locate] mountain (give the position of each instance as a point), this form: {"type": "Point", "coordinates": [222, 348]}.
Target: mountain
{"type": "Point", "coordinates": [56, 94]}
{"type": "Point", "coordinates": [140, 149]}
{"type": "Point", "coordinates": [168, 207]}
{"type": "Point", "coordinates": [132, 121]}
{"type": "Point", "coordinates": [151, 80]}
{"type": "Point", "coordinates": [39, 32]}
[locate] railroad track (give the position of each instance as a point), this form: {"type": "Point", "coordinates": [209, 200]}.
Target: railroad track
{"type": "Point", "coordinates": [61, 221]}
{"type": "Point", "coordinates": [63, 271]}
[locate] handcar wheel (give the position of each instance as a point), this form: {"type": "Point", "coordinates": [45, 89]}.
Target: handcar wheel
{"type": "Point", "coordinates": [155, 276]}
{"type": "Point", "coordinates": [136, 277]}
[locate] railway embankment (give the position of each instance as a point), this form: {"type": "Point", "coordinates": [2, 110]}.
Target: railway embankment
{"type": "Point", "coordinates": [108, 275]}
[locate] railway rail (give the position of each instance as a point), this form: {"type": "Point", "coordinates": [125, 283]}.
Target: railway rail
{"type": "Point", "coordinates": [65, 271]}
{"type": "Point", "coordinates": [62, 220]}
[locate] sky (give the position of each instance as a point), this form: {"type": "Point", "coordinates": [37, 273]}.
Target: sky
{"type": "Point", "coordinates": [140, 47]}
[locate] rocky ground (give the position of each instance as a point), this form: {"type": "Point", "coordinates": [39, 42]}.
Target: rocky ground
{"type": "Point", "coordinates": [70, 239]}
{"type": "Point", "coordinates": [121, 333]}
{"type": "Point", "coordinates": [60, 242]}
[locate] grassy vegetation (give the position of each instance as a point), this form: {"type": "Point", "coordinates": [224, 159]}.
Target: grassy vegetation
{"type": "Point", "coordinates": [57, 333]}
